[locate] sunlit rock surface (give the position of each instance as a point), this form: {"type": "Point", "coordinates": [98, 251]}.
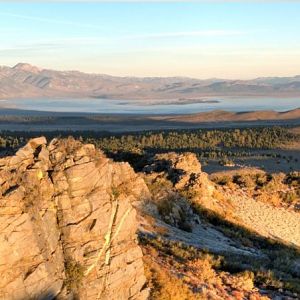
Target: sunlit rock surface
{"type": "Point", "coordinates": [68, 224]}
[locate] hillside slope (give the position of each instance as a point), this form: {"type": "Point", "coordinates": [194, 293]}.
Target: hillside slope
{"type": "Point", "coordinates": [70, 218]}
{"type": "Point", "coordinates": [227, 116]}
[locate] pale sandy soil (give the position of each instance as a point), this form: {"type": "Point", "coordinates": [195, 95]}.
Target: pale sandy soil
{"type": "Point", "coordinates": [268, 221]}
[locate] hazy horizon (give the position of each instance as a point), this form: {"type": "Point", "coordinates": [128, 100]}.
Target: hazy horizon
{"type": "Point", "coordinates": [198, 40]}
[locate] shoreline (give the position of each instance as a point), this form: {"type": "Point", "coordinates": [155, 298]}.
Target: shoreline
{"type": "Point", "coordinates": [199, 96]}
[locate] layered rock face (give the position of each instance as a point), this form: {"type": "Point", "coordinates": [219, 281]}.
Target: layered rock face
{"type": "Point", "coordinates": [68, 224]}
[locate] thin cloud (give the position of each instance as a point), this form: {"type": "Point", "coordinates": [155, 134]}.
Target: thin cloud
{"type": "Point", "coordinates": [49, 20]}
{"type": "Point", "coordinates": [155, 1]}
{"type": "Point", "coordinates": [107, 40]}
{"type": "Point", "coordinates": [182, 34]}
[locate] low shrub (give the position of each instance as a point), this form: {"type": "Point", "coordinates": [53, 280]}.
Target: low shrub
{"type": "Point", "coordinates": [74, 274]}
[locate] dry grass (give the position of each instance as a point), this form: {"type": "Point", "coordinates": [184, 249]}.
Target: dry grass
{"type": "Point", "coordinates": [166, 280]}
{"type": "Point", "coordinates": [175, 271]}
{"type": "Point", "coordinates": [166, 286]}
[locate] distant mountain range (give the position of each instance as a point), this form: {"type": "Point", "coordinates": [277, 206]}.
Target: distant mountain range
{"type": "Point", "coordinates": [26, 81]}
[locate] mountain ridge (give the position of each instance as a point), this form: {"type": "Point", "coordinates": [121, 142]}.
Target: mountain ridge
{"type": "Point", "coordinates": [27, 81]}
{"type": "Point", "coordinates": [21, 65]}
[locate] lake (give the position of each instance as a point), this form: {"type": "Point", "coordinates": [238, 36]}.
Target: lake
{"type": "Point", "coordinates": [139, 107]}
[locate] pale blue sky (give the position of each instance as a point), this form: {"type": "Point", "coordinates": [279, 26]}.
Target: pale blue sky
{"type": "Point", "coordinates": [228, 40]}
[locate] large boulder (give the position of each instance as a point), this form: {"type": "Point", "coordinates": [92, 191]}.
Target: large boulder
{"type": "Point", "coordinates": [68, 224]}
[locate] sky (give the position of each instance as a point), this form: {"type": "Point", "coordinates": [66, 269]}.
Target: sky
{"type": "Point", "coordinates": [236, 40]}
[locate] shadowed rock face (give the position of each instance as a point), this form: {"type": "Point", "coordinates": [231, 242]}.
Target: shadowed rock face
{"type": "Point", "coordinates": [68, 224]}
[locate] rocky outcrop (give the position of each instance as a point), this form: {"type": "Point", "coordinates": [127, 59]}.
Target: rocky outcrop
{"type": "Point", "coordinates": [180, 168]}
{"type": "Point", "coordinates": [184, 171]}
{"type": "Point", "coordinates": [68, 224]}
